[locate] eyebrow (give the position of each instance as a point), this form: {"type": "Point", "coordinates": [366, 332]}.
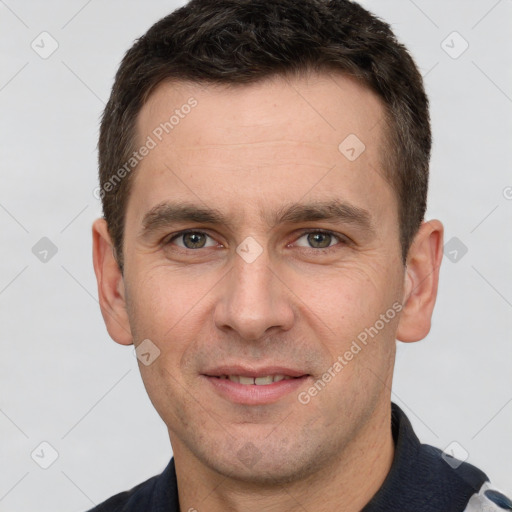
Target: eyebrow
{"type": "Point", "coordinates": [167, 213]}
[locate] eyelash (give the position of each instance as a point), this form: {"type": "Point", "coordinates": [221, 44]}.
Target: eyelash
{"type": "Point", "coordinates": [341, 239]}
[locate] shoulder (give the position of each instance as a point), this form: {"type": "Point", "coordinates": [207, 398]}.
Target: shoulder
{"type": "Point", "coordinates": [156, 493]}
{"type": "Point", "coordinates": [137, 498]}
{"type": "Point", "coordinates": [423, 478]}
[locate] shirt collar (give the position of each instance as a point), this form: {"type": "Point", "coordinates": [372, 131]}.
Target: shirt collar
{"type": "Point", "coordinates": [420, 478]}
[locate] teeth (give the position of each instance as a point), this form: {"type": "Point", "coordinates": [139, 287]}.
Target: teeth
{"type": "Point", "coordinates": [262, 381]}
{"type": "Point", "coordinates": [259, 381]}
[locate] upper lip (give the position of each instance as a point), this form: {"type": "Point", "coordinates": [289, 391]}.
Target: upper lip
{"type": "Point", "coordinates": [248, 371]}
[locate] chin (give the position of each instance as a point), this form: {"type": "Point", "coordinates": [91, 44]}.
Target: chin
{"type": "Point", "coordinates": [266, 474]}
{"type": "Point", "coordinates": [260, 464]}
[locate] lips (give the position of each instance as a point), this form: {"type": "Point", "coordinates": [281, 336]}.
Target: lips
{"type": "Point", "coordinates": [251, 386]}
{"type": "Point", "coordinates": [245, 371]}
{"type": "Point", "coordinates": [258, 381]}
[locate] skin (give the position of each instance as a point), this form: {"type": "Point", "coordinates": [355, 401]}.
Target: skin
{"type": "Point", "coordinates": [245, 151]}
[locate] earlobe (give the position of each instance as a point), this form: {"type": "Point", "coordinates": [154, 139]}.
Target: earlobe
{"type": "Point", "coordinates": [111, 290]}
{"type": "Point", "coordinates": [421, 282]}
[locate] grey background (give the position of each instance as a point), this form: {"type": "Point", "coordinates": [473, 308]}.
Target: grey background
{"type": "Point", "coordinates": [65, 382]}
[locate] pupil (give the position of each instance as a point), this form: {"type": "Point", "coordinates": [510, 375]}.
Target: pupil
{"type": "Point", "coordinates": [317, 237]}
{"type": "Point", "coordinates": [195, 239]}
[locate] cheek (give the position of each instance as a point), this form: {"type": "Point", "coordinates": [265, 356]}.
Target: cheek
{"type": "Point", "coordinates": [168, 307]}
{"type": "Point", "coordinates": [163, 300]}
{"type": "Point", "coordinates": [347, 307]}
{"type": "Point", "coordinates": [350, 294]}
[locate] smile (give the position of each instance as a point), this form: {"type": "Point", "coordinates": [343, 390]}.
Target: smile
{"type": "Point", "coordinates": [254, 390]}
{"type": "Point", "coordinates": [258, 381]}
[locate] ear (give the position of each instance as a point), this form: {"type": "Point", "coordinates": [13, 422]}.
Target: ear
{"type": "Point", "coordinates": [111, 290]}
{"type": "Point", "coordinates": [421, 280]}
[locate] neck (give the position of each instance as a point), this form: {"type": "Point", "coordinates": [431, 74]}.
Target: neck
{"type": "Point", "coordinates": [346, 484]}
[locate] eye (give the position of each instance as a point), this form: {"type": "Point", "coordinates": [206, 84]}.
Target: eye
{"type": "Point", "coordinates": [320, 239]}
{"type": "Point", "coordinates": [191, 240]}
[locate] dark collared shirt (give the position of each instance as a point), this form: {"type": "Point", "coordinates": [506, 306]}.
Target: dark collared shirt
{"type": "Point", "coordinates": [421, 479]}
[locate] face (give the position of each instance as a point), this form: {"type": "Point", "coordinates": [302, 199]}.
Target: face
{"type": "Point", "coordinates": [291, 253]}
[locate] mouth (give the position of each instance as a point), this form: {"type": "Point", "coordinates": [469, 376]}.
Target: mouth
{"type": "Point", "coordinates": [257, 381]}
{"type": "Point", "coordinates": [254, 387]}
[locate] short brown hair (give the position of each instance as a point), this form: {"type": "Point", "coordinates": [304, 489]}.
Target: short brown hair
{"type": "Point", "coordinates": [245, 41]}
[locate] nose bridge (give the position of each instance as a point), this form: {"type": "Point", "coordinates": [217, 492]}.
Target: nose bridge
{"type": "Point", "coordinates": [253, 299]}
{"type": "Point", "coordinates": [252, 273]}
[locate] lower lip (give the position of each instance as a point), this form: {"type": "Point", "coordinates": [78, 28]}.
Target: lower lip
{"type": "Point", "coordinates": [254, 394]}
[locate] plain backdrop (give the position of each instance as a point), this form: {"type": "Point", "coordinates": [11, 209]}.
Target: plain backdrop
{"type": "Point", "coordinates": [66, 383]}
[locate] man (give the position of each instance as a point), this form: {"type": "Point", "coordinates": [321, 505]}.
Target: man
{"type": "Point", "coordinates": [264, 175]}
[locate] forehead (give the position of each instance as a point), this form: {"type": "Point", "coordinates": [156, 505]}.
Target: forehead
{"type": "Point", "coordinates": [329, 102]}
{"type": "Point", "coordinates": [319, 135]}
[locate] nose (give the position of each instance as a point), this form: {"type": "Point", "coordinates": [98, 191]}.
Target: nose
{"type": "Point", "coordinates": [254, 299]}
